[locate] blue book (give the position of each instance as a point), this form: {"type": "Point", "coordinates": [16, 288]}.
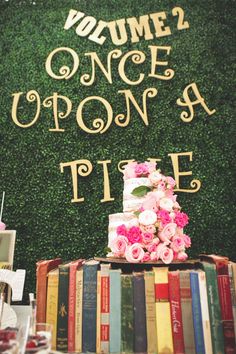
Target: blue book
{"type": "Point", "coordinates": [115, 311]}
{"type": "Point", "coordinates": [89, 312]}
{"type": "Point", "coordinates": [197, 313]}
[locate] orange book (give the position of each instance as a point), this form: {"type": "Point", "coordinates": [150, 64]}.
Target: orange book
{"type": "Point", "coordinates": [73, 267]}
{"type": "Point", "coordinates": [43, 268]}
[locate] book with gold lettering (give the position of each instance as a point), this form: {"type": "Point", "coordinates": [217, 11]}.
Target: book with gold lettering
{"type": "Point", "coordinates": [150, 312]}
{"type": "Point", "coordinates": [78, 310]}
{"type": "Point", "coordinates": [52, 303]}
{"type": "Point", "coordinates": [163, 316]}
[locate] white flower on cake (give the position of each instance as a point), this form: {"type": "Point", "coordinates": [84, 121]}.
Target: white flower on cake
{"type": "Point", "coordinates": [167, 204]}
{"type": "Point", "coordinates": [147, 217]}
{"type": "Point", "coordinates": [153, 229]}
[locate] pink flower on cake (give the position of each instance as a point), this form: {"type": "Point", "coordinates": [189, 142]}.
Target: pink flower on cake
{"type": "Point", "coordinates": [147, 217]}
{"type": "Point", "coordinates": [182, 256]}
{"type": "Point", "coordinates": [134, 235]}
{"type": "Point", "coordinates": [134, 253]}
{"type": "Point", "coordinates": [187, 241]}
{"type": "Point", "coordinates": [121, 230]}
{"type": "Point", "coordinates": [146, 257]}
{"type": "Point", "coordinates": [168, 232]}
{"type": "Point", "coordinates": [153, 246]}
{"type": "Point", "coordinates": [170, 181]}
{"type": "Point", "coordinates": [141, 169]}
{"type": "Point", "coordinates": [164, 253]}
{"type": "Point", "coordinates": [119, 245]}
{"type": "Point", "coordinates": [155, 178]}
{"type": "Point", "coordinates": [148, 228]}
{"type": "Point", "coordinates": [176, 205]}
{"type": "Point", "coordinates": [164, 216]}
{"type": "Point", "coordinates": [147, 238]}
{"type": "Point", "coordinates": [167, 204]}
{"type": "Point", "coordinates": [177, 244]}
{"type": "Point", "coordinates": [181, 219]}
{"type": "Point", "coordinates": [129, 170]}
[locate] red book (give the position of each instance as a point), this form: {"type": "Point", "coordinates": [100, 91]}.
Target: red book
{"type": "Point", "coordinates": [225, 300]}
{"type": "Point", "coordinates": [43, 267]}
{"type": "Point", "coordinates": [73, 266]}
{"type": "Point", "coordinates": [105, 308]}
{"type": "Point", "coordinates": [176, 312]}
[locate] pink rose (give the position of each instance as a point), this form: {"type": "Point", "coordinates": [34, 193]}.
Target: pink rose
{"type": "Point", "coordinates": [161, 186]}
{"type": "Point", "coordinates": [134, 234]}
{"type": "Point", "coordinates": [148, 228]}
{"type": "Point", "coordinates": [153, 256]}
{"type": "Point", "coordinates": [153, 246]}
{"type": "Point", "coordinates": [134, 253]}
{"type": "Point", "coordinates": [165, 254]}
{"type": "Point", "coordinates": [181, 219]}
{"type": "Point", "coordinates": [119, 245]}
{"type": "Point", "coordinates": [129, 170]}
{"type": "Point", "coordinates": [141, 170]}
{"type": "Point", "coordinates": [177, 206]}
{"type": "Point", "coordinates": [167, 204]}
{"type": "Point", "coordinates": [147, 217]}
{"type": "Point", "coordinates": [164, 216]}
{"type": "Point", "coordinates": [150, 202]}
{"type": "Point", "coordinates": [187, 241]}
{"type": "Point", "coordinates": [168, 232]}
{"type": "Point", "coordinates": [147, 238]}
{"type": "Point", "coordinates": [170, 181]}
{"type": "Point", "coordinates": [182, 256]}
{"type": "Point", "coordinates": [177, 244]}
{"type": "Point", "coordinates": [155, 178]}
{"type": "Point", "coordinates": [121, 230]}
{"type": "Point", "coordinates": [146, 257]}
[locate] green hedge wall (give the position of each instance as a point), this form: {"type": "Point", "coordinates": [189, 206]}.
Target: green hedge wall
{"type": "Point", "coordinates": [38, 196]}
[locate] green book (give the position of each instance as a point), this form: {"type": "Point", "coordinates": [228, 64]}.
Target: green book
{"type": "Point", "coordinates": [62, 312]}
{"type": "Point", "coordinates": [214, 308]}
{"type": "Point", "coordinates": [127, 317]}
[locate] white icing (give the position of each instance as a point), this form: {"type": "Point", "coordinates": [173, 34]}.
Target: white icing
{"type": "Point", "coordinates": [130, 202]}
{"type": "Point", "coordinates": [115, 220]}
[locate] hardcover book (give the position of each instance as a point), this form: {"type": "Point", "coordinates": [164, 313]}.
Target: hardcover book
{"type": "Point", "coordinates": [89, 316]}
{"type": "Point", "coordinates": [105, 308]}
{"type": "Point", "coordinates": [127, 318]}
{"type": "Point", "coordinates": [187, 316]}
{"type": "Point", "coordinates": [52, 303]}
{"type": "Point", "coordinates": [176, 313]}
{"type": "Point", "coordinates": [197, 313]}
{"type": "Point", "coordinates": [98, 334]}
{"type": "Point", "coordinates": [150, 312]}
{"type": "Point", "coordinates": [78, 310]}
{"type": "Point", "coordinates": [115, 310]}
{"type": "Point", "coordinates": [62, 312]}
{"type": "Point", "coordinates": [163, 317]}
{"type": "Point", "coordinates": [140, 332]}
{"type": "Point", "coordinates": [42, 269]}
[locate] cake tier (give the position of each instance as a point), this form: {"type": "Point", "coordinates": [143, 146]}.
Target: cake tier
{"type": "Point", "coordinates": [130, 202]}
{"type": "Point", "coordinates": [115, 220]}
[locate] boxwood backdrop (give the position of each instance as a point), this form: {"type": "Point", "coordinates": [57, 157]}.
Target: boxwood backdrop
{"type": "Point", "coordinates": [38, 196]}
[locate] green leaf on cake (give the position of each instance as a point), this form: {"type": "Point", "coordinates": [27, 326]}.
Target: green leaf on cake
{"type": "Point", "coordinates": [136, 213]}
{"type": "Point", "coordinates": [141, 191]}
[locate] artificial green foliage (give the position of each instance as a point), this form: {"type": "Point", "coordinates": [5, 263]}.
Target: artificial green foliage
{"type": "Point", "coordinates": [38, 196]}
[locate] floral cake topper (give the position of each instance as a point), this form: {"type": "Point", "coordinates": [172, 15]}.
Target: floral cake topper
{"type": "Point", "coordinates": [160, 231]}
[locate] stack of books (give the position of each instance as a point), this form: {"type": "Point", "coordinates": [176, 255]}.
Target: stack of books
{"type": "Point", "coordinates": [103, 308]}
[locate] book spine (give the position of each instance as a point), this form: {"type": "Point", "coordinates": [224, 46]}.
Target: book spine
{"type": "Point", "coordinates": [115, 310]}
{"type": "Point", "coordinates": [150, 312]}
{"type": "Point", "coordinates": [225, 303]}
{"type": "Point", "coordinates": [78, 311]}
{"type": "Point", "coordinates": [105, 308]}
{"type": "Point", "coordinates": [71, 308]}
{"type": "Point", "coordinates": [127, 326]}
{"type": "Point", "coordinates": [52, 305]}
{"type": "Point", "coordinates": [232, 272]}
{"type": "Point", "coordinates": [98, 338]}
{"type": "Point", "coordinates": [62, 317]}
{"type": "Point", "coordinates": [176, 315]}
{"type": "Point", "coordinates": [163, 316]}
{"type": "Point", "coordinates": [214, 308]}
{"type": "Point", "coordinates": [197, 315]}
{"type": "Point", "coordinates": [187, 316]}
{"type": "Point", "coordinates": [41, 291]}
{"type": "Point", "coordinates": [89, 308]}
{"type": "Point", "coordinates": [205, 312]}
{"type": "Point", "coordinates": [140, 338]}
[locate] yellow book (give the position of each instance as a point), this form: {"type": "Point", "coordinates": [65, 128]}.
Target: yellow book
{"type": "Point", "coordinates": [52, 303]}
{"type": "Point", "coordinates": [78, 310]}
{"type": "Point", "coordinates": [163, 316]}
{"type": "Point", "coordinates": [98, 340]}
{"type": "Point", "coordinates": [150, 312]}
